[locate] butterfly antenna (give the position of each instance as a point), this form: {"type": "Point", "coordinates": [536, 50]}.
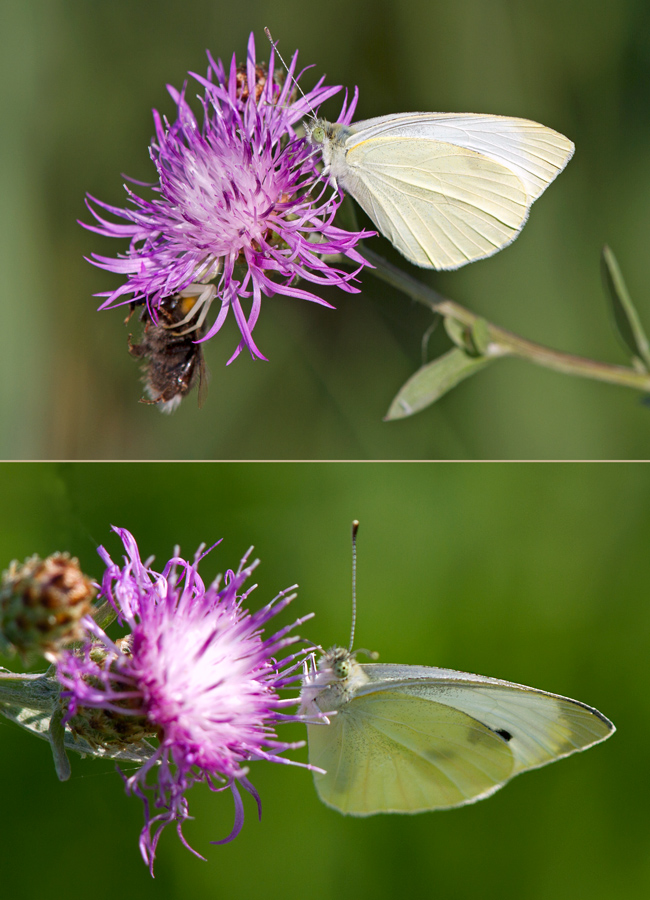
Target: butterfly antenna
{"type": "Point", "coordinates": [274, 44]}
{"type": "Point", "coordinates": [355, 528]}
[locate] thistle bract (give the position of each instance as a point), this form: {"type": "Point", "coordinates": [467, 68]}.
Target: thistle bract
{"type": "Point", "coordinates": [240, 202]}
{"type": "Point", "coordinates": [195, 671]}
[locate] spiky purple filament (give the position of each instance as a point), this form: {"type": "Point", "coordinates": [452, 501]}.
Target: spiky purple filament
{"type": "Point", "coordinates": [198, 668]}
{"type": "Point", "coordinates": [240, 202]}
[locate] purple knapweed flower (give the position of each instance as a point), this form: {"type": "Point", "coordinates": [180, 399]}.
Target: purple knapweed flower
{"type": "Point", "coordinates": [195, 672]}
{"type": "Point", "coordinates": [241, 211]}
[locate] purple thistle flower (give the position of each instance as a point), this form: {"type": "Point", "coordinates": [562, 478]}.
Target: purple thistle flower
{"type": "Point", "coordinates": [197, 670]}
{"type": "Point", "coordinates": [241, 208]}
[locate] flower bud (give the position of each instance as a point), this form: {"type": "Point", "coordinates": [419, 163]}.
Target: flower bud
{"type": "Point", "coordinates": [108, 726]}
{"type": "Point", "coordinates": [42, 602]}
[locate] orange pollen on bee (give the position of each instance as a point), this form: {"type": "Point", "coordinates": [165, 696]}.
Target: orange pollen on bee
{"type": "Point", "coordinates": [186, 304]}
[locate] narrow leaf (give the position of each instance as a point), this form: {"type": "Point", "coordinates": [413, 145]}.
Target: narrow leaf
{"type": "Point", "coordinates": [480, 336]}
{"type": "Point", "coordinates": [57, 743]}
{"type": "Point", "coordinates": [433, 381]}
{"type": "Point", "coordinates": [457, 332]}
{"type": "Point", "coordinates": [626, 318]}
{"type": "Point", "coordinates": [38, 723]}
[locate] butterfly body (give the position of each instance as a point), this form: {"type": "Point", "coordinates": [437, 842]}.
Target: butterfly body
{"type": "Point", "coordinates": [446, 189]}
{"type": "Point", "coordinates": [393, 738]}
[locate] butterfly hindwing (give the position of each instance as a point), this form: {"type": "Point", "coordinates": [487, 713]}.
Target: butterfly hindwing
{"type": "Point", "coordinates": [441, 205]}
{"type": "Point", "coordinates": [388, 752]}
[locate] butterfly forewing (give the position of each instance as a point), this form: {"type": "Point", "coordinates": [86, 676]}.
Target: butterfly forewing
{"type": "Point", "coordinates": [382, 754]}
{"type": "Point", "coordinates": [542, 727]}
{"type": "Point", "coordinates": [535, 153]}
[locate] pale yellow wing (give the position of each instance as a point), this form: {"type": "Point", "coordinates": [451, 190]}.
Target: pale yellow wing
{"type": "Point", "coordinates": [533, 152]}
{"type": "Point", "coordinates": [440, 204]}
{"type": "Point", "coordinates": [390, 752]}
{"type": "Point", "coordinates": [541, 727]}
{"type": "Point", "coordinates": [415, 738]}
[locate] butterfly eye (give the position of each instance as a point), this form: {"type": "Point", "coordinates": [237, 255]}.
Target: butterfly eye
{"type": "Point", "coordinates": [318, 135]}
{"type": "Point", "coordinates": [342, 668]}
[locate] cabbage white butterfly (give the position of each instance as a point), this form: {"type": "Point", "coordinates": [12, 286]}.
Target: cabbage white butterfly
{"type": "Point", "coordinates": [445, 188]}
{"type": "Point", "coordinates": [414, 738]}
{"type": "Point", "coordinates": [406, 739]}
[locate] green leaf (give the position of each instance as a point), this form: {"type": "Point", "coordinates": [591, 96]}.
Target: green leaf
{"type": "Point", "coordinates": [626, 318]}
{"type": "Point", "coordinates": [473, 338]}
{"type": "Point", "coordinates": [57, 743]}
{"type": "Point", "coordinates": [33, 702]}
{"type": "Point", "coordinates": [480, 336]}
{"type": "Point", "coordinates": [433, 381]}
{"type": "Point", "coordinates": [457, 332]}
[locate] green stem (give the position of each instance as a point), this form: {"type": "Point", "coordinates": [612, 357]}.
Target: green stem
{"type": "Point", "coordinates": [19, 676]}
{"type": "Point", "coordinates": [502, 342]}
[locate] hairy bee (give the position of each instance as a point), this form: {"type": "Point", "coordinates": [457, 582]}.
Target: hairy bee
{"type": "Point", "coordinates": [173, 358]}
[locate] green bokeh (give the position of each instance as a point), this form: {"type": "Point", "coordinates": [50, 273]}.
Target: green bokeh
{"type": "Point", "coordinates": [534, 573]}
{"type": "Point", "coordinates": [79, 79]}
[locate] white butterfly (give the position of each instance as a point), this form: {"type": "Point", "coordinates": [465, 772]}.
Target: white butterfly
{"type": "Point", "coordinates": [414, 738]}
{"type": "Point", "coordinates": [445, 188]}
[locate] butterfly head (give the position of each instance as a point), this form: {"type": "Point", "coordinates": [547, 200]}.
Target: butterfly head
{"type": "Point", "coordinates": [329, 138]}
{"type": "Point", "coordinates": [317, 132]}
{"type": "Point", "coordinates": [320, 132]}
{"type": "Point", "coordinates": [332, 682]}
{"type": "Point", "coordinates": [338, 661]}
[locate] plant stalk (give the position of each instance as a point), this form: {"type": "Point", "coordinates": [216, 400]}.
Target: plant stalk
{"type": "Point", "coordinates": [502, 342]}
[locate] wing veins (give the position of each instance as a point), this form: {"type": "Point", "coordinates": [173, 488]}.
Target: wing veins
{"type": "Point", "coordinates": [387, 179]}
{"type": "Point", "coordinates": [408, 228]}
{"type": "Point", "coordinates": [451, 227]}
{"type": "Point", "coordinates": [402, 186]}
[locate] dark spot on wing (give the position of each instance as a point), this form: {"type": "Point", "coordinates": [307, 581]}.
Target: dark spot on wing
{"type": "Point", "coordinates": [504, 734]}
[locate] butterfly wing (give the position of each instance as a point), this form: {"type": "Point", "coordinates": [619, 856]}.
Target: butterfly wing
{"type": "Point", "coordinates": [415, 738]}
{"type": "Point", "coordinates": [540, 727]}
{"type": "Point", "coordinates": [533, 152]}
{"type": "Point", "coordinates": [387, 751]}
{"type": "Point", "coordinates": [449, 189]}
{"type": "Point", "coordinates": [441, 205]}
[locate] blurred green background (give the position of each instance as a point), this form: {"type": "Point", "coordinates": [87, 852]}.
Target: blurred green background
{"type": "Point", "coordinates": [79, 79]}
{"type": "Point", "coordinates": [534, 573]}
